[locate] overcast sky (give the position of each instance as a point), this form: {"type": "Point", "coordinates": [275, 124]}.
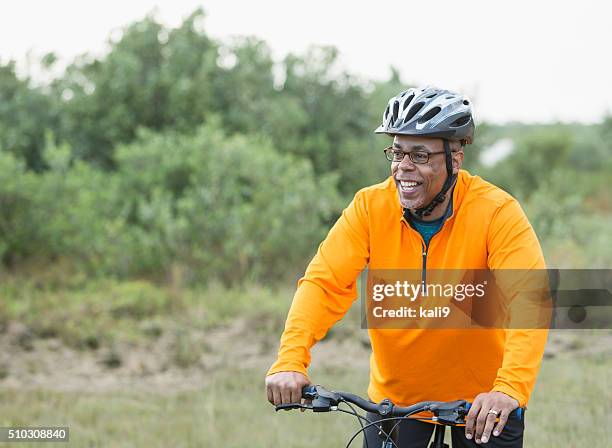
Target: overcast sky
{"type": "Point", "coordinates": [535, 60]}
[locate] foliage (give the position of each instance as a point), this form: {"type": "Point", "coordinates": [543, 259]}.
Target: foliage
{"type": "Point", "coordinates": [177, 157]}
{"type": "Point", "coordinates": [25, 113]}
{"type": "Point", "coordinates": [561, 176]}
{"type": "Point", "coordinates": [63, 211]}
{"type": "Point", "coordinates": [195, 202]}
{"type": "Point", "coordinates": [152, 77]}
{"type": "Point", "coordinates": [233, 207]}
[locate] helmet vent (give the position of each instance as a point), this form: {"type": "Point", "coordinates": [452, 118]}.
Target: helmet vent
{"type": "Point", "coordinates": [431, 96]}
{"type": "Point", "coordinates": [387, 112]}
{"type": "Point", "coordinates": [466, 102]}
{"type": "Point", "coordinates": [460, 121]}
{"type": "Point", "coordinates": [429, 115]}
{"type": "Point", "coordinates": [407, 101]}
{"type": "Point", "coordinates": [413, 110]}
{"type": "Point", "coordinates": [395, 110]}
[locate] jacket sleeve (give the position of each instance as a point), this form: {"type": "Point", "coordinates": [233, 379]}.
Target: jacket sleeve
{"type": "Point", "coordinates": [328, 287]}
{"type": "Point", "coordinates": [516, 259]}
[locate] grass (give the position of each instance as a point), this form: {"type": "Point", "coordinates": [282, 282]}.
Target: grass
{"type": "Point", "coordinates": [230, 411]}
{"type": "Point", "coordinates": [103, 312]}
{"type": "Point", "coordinates": [572, 402]}
{"type": "Point", "coordinates": [570, 408]}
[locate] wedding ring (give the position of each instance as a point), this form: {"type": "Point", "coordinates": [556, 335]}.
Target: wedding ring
{"type": "Point", "coordinates": [496, 413]}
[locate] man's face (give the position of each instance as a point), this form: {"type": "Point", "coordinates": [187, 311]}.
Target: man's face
{"type": "Point", "coordinates": [417, 184]}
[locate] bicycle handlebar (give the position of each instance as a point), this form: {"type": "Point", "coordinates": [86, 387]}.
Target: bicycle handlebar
{"type": "Point", "coordinates": [323, 400]}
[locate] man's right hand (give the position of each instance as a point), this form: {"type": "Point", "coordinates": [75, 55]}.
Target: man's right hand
{"type": "Point", "coordinates": [285, 387]}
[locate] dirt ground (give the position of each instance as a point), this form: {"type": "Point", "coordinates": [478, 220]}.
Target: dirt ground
{"type": "Point", "coordinates": [27, 362]}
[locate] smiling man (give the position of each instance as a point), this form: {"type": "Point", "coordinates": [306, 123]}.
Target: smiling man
{"type": "Point", "coordinates": [429, 214]}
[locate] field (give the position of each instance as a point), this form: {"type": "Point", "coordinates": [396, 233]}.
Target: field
{"type": "Point", "coordinates": [189, 371]}
{"type": "Point", "coordinates": [149, 190]}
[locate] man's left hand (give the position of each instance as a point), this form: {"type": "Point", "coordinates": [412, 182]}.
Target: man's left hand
{"type": "Point", "coordinates": [482, 417]}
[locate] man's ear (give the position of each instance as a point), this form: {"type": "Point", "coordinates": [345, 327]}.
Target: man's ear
{"type": "Point", "coordinates": [457, 158]}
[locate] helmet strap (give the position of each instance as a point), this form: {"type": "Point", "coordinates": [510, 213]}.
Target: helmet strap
{"type": "Point", "coordinates": [448, 183]}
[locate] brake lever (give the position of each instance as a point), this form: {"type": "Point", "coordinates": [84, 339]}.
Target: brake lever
{"type": "Point", "coordinates": [289, 406]}
{"type": "Point", "coordinates": [452, 413]}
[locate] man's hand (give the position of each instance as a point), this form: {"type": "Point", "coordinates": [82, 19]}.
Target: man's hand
{"type": "Point", "coordinates": [285, 387]}
{"type": "Point", "coordinates": [484, 420]}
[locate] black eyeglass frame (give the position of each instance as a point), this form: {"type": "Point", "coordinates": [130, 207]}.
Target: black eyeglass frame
{"type": "Point", "coordinates": [390, 152]}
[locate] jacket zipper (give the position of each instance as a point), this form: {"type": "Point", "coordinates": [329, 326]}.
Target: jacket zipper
{"type": "Point", "coordinates": [425, 248]}
{"type": "Point", "coordinates": [424, 270]}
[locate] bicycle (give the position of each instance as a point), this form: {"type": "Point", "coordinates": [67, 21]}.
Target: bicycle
{"type": "Point", "coordinates": [451, 413]}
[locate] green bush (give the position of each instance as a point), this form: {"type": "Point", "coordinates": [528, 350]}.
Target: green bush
{"type": "Point", "coordinates": [230, 208]}
{"type": "Point", "coordinates": [63, 212]}
{"type": "Point", "coordinates": [227, 208]}
{"type": "Point", "coordinates": [193, 160]}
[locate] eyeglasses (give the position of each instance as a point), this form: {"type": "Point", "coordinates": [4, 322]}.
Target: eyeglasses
{"type": "Point", "coordinates": [397, 155]}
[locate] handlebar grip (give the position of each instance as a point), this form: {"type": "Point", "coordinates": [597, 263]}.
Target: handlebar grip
{"type": "Point", "coordinates": [288, 406]}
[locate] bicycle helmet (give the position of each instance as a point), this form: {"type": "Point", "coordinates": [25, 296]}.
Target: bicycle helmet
{"type": "Point", "coordinates": [431, 112]}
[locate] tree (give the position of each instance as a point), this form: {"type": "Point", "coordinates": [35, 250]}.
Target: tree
{"type": "Point", "coordinates": [151, 77]}
{"type": "Point", "coordinates": [26, 114]}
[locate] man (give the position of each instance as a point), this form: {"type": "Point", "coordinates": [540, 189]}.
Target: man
{"type": "Point", "coordinates": [429, 214]}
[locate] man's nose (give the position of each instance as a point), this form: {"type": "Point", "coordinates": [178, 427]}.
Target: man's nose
{"type": "Point", "coordinates": [406, 164]}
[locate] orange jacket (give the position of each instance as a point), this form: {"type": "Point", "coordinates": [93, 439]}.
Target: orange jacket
{"type": "Point", "coordinates": [487, 229]}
